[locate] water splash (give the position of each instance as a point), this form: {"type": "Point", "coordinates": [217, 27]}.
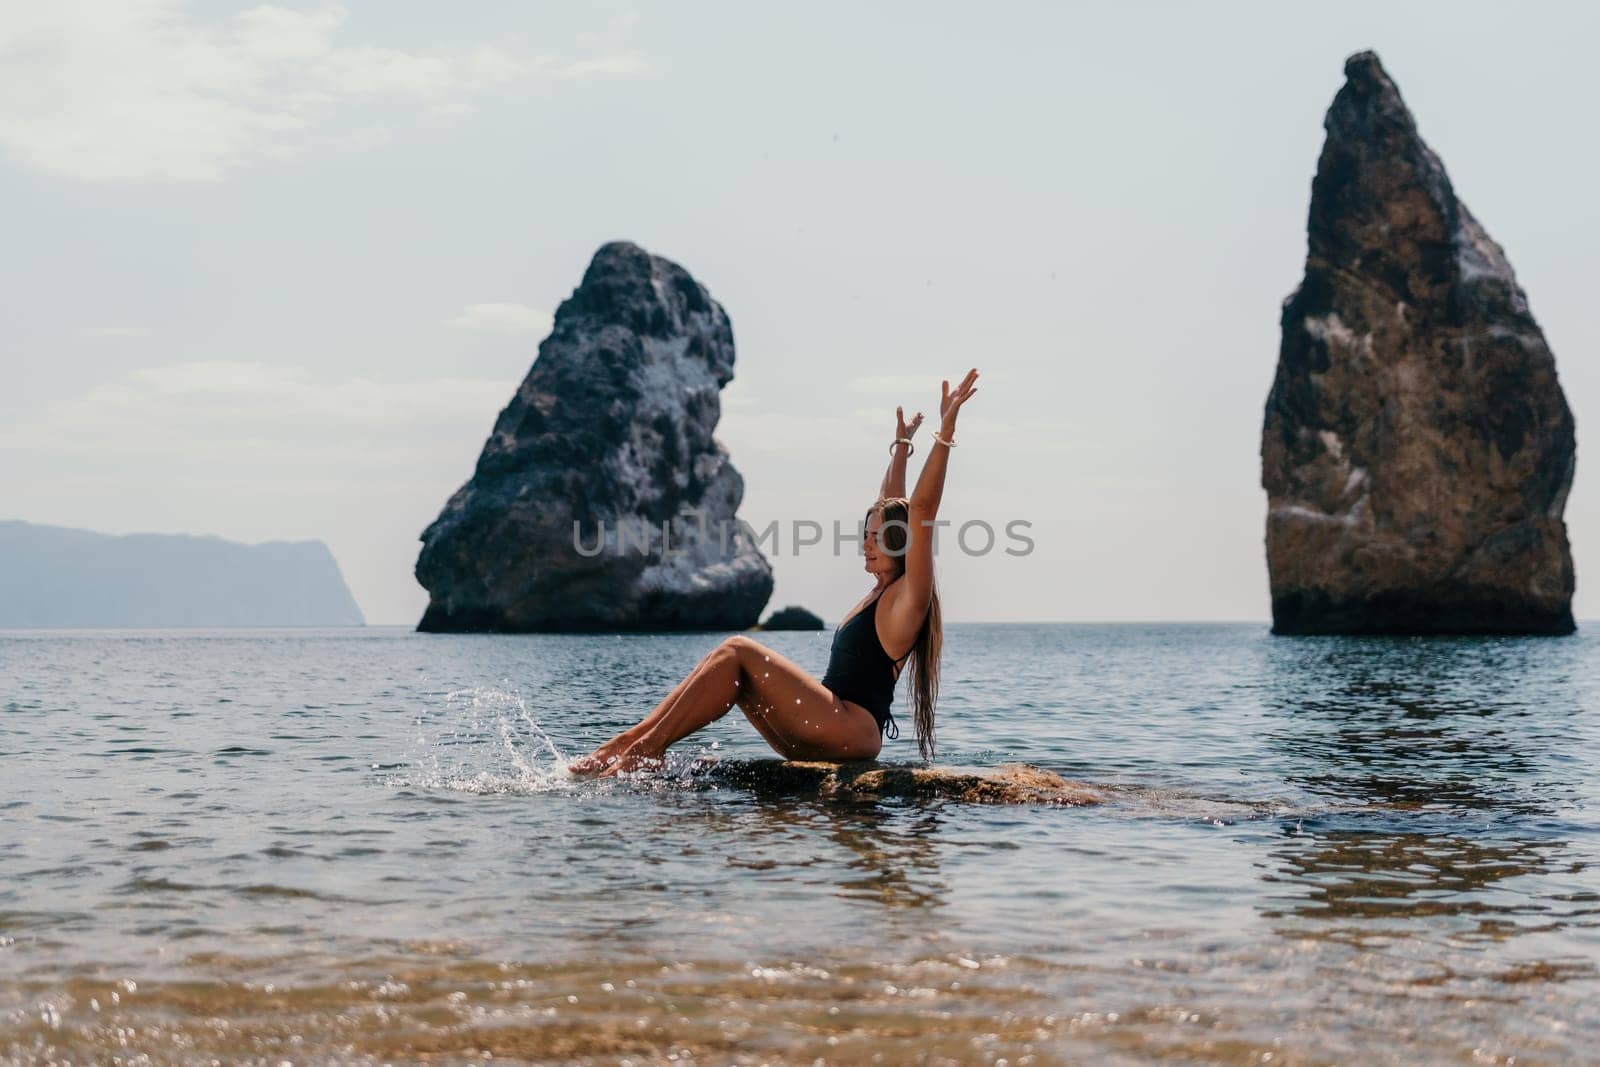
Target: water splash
{"type": "Point", "coordinates": [485, 740]}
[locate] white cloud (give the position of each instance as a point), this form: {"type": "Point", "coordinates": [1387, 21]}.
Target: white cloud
{"type": "Point", "coordinates": [996, 433]}
{"type": "Point", "coordinates": [736, 397]}
{"type": "Point", "coordinates": [139, 90]}
{"type": "Point", "coordinates": [615, 29]}
{"type": "Point", "coordinates": [745, 429]}
{"type": "Point", "coordinates": [910, 385]}
{"type": "Point", "coordinates": [115, 331]}
{"type": "Point", "coordinates": [599, 66]}
{"type": "Point", "coordinates": [920, 387]}
{"type": "Point", "coordinates": [212, 408]}
{"type": "Point", "coordinates": [504, 318]}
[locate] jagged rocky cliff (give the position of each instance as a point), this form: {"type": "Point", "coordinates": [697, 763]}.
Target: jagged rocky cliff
{"type": "Point", "coordinates": [610, 431]}
{"type": "Point", "coordinates": [1417, 448]}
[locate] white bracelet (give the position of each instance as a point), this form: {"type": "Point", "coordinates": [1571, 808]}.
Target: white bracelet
{"type": "Point", "coordinates": [911, 449]}
{"type": "Point", "coordinates": [942, 441]}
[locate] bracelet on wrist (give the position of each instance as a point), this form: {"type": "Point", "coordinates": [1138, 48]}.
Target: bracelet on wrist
{"type": "Point", "coordinates": [947, 443]}
{"type": "Point", "coordinates": [911, 449]}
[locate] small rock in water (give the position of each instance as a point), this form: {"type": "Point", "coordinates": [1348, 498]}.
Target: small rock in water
{"type": "Point", "coordinates": [793, 617]}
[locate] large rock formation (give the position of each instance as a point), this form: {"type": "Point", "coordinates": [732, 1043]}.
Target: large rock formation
{"type": "Point", "coordinates": [1417, 449]}
{"type": "Point", "coordinates": [58, 576]}
{"type": "Point", "coordinates": [609, 433]}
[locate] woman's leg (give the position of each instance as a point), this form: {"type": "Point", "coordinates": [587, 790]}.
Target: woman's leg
{"type": "Point", "coordinates": [797, 715]}
{"type": "Point", "coordinates": [621, 742]}
{"type": "Point", "coordinates": [607, 753]}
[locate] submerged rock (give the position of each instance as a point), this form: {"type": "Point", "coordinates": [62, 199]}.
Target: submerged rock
{"type": "Point", "coordinates": [1015, 783]}
{"type": "Point", "coordinates": [601, 500]}
{"type": "Point", "coordinates": [1417, 449]}
{"type": "Point", "coordinates": [793, 617]}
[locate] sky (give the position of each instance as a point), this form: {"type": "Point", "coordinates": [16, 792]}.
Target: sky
{"type": "Point", "coordinates": [270, 272]}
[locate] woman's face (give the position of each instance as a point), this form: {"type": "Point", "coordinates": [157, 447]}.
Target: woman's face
{"type": "Point", "coordinates": [878, 561]}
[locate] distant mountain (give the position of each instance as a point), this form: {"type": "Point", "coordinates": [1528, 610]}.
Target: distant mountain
{"type": "Point", "coordinates": [56, 576]}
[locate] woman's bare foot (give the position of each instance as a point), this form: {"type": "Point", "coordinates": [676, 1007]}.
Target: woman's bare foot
{"type": "Point", "coordinates": [635, 758]}
{"type": "Point", "coordinates": [585, 764]}
{"type": "Point", "coordinates": [603, 756]}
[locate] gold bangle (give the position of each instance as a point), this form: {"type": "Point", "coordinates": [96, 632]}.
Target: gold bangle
{"type": "Point", "coordinates": [942, 441]}
{"type": "Point", "coordinates": [911, 449]}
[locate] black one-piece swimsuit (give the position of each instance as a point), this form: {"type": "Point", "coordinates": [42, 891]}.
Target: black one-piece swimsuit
{"type": "Point", "coordinates": [859, 670]}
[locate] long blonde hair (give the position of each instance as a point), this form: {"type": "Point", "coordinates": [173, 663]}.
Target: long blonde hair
{"type": "Point", "coordinates": [924, 655]}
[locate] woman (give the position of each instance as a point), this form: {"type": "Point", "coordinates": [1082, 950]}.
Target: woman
{"type": "Point", "coordinates": [844, 716]}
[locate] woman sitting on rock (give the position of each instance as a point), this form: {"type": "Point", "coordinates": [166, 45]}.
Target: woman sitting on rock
{"type": "Point", "coordinates": [844, 716]}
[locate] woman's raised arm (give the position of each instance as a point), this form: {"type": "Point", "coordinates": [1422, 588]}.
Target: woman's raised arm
{"type": "Point", "coordinates": [894, 479]}
{"type": "Point", "coordinates": [924, 504]}
{"type": "Point", "coordinates": [930, 485]}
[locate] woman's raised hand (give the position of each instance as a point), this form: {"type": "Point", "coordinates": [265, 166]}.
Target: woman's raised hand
{"type": "Point", "coordinates": [951, 400]}
{"type": "Point", "coordinates": [900, 427]}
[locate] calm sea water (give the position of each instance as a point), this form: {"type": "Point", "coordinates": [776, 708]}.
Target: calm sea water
{"type": "Point", "coordinates": [357, 846]}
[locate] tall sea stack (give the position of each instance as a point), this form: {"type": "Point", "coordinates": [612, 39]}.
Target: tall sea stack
{"type": "Point", "coordinates": [1417, 448]}
{"type": "Point", "coordinates": [610, 431]}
